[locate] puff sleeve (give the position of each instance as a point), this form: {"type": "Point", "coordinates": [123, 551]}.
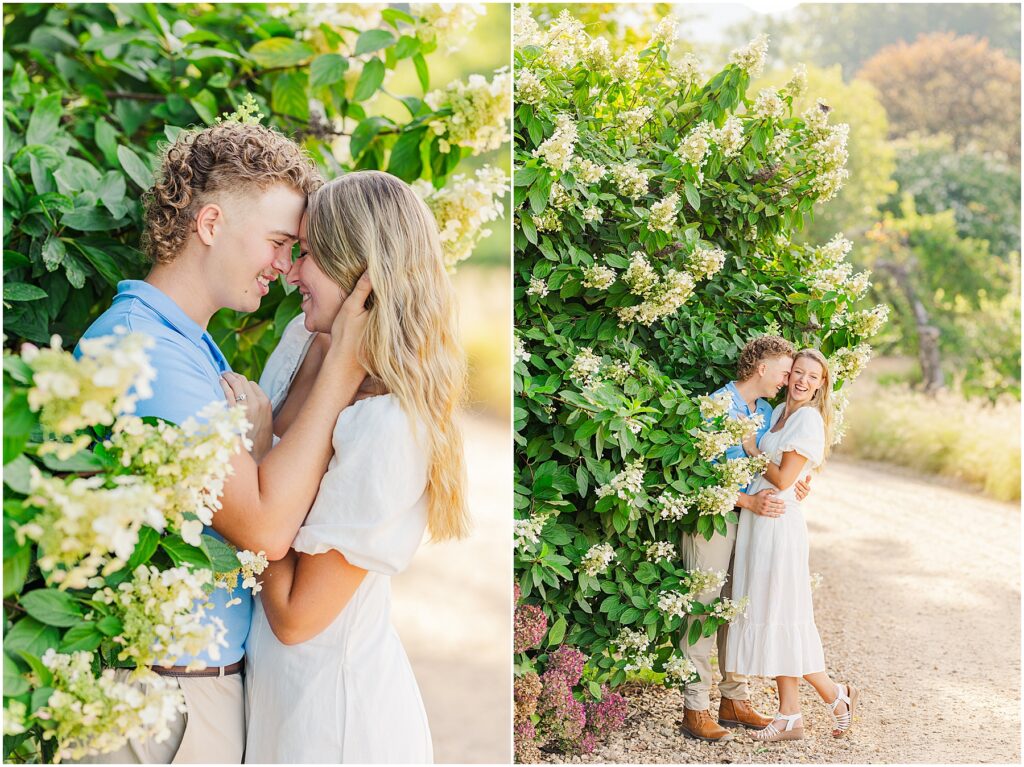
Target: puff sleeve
{"type": "Point", "coordinates": [805, 434]}
{"type": "Point", "coordinates": [372, 504]}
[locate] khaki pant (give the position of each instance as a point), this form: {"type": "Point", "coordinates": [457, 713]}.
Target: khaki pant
{"type": "Point", "coordinates": [716, 554]}
{"type": "Point", "coordinates": [211, 731]}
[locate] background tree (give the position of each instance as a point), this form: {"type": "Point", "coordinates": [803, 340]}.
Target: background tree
{"type": "Point", "coordinates": [942, 83]}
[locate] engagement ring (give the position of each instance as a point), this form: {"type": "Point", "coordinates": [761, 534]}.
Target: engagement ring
{"type": "Point", "coordinates": [240, 398]}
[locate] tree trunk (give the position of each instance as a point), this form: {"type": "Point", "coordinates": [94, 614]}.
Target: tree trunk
{"type": "Point", "coordinates": [927, 334]}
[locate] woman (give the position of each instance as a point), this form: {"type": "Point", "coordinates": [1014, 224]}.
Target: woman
{"type": "Point", "coordinates": [777, 636]}
{"type": "Point", "coordinates": [327, 678]}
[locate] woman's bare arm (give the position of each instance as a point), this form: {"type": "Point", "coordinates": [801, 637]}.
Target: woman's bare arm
{"type": "Point", "coordinates": [788, 471]}
{"type": "Point", "coordinates": [303, 593]}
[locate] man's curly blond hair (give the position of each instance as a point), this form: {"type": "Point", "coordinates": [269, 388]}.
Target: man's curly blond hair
{"type": "Point", "coordinates": [227, 158]}
{"type": "Point", "coordinates": [759, 350]}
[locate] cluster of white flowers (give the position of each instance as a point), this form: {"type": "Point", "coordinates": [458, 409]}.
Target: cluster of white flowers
{"type": "Point", "coordinates": [520, 354]}
{"type": "Point", "coordinates": [559, 197]}
{"type": "Point", "coordinates": [751, 57]}
{"type": "Point", "coordinates": [674, 604]}
{"type": "Point", "coordinates": [726, 609]}
{"type": "Point", "coordinates": [848, 363]}
{"type": "Point", "coordinates": [187, 464]}
{"type": "Point", "coordinates": [564, 42]}
{"type": "Point", "coordinates": [598, 276]}
{"type": "Point", "coordinates": [527, 531]}
{"type": "Point", "coordinates": [715, 501]}
{"type": "Point", "coordinates": [816, 580]}
{"type": "Point", "coordinates": [663, 214]}
{"type": "Point", "coordinates": [634, 119]}
{"type": "Point", "coordinates": [695, 147]}
{"type": "Point", "coordinates": [706, 262]}
{"type": "Point", "coordinates": [93, 715]}
{"type": "Point", "coordinates": [463, 207]}
{"type": "Point", "coordinates": [686, 71]}
{"type": "Point", "coordinates": [548, 221]}
{"type": "Point", "coordinates": [597, 559]}
{"type": "Point", "coordinates": [626, 67]}
{"type": "Point", "coordinates": [661, 550]}
{"type": "Point", "coordinates": [711, 444]}
{"type": "Point", "coordinates": [525, 30]}
{"type": "Point", "coordinates": [865, 323]}
{"type": "Point", "coordinates": [538, 287]}
{"type": "Point", "coordinates": [768, 105]}
{"type": "Point", "coordinates": [839, 404]}
{"type": "Point", "coordinates": [337, 16]}
{"type": "Point", "coordinates": [665, 33]}
{"type": "Point", "coordinates": [250, 564]}
{"type": "Point", "coordinates": [630, 180]}
{"type": "Point", "coordinates": [827, 151]}
{"type": "Point", "coordinates": [585, 367]}
{"type": "Point", "coordinates": [627, 484]}
{"type": "Point", "coordinates": [529, 88]}
{"type": "Point", "coordinates": [740, 471]}
{"type": "Point", "coordinates": [779, 144]}
{"type": "Point", "coordinates": [619, 372]}
{"type": "Point", "coordinates": [480, 112]}
{"type": "Point", "coordinates": [702, 581]}
{"type": "Point", "coordinates": [629, 641]}
{"type": "Point", "coordinates": [797, 84]}
{"type": "Point", "coordinates": [588, 172]}
{"type": "Point", "coordinates": [593, 214]}
{"type": "Point", "coordinates": [557, 151]}
{"type": "Point", "coordinates": [111, 376]}
{"type": "Point", "coordinates": [673, 507]}
{"type": "Point", "coordinates": [598, 55]}
{"type": "Point", "coordinates": [729, 138]}
{"type": "Point", "coordinates": [830, 254]}
{"type": "Point", "coordinates": [81, 523]}
{"type": "Point", "coordinates": [164, 616]}
{"type": "Point", "coordinates": [640, 275]}
{"type": "Point", "coordinates": [714, 406]}
{"type": "Point", "coordinates": [679, 670]}
{"type": "Point", "coordinates": [15, 713]}
{"type": "Point", "coordinates": [446, 23]}
{"type": "Point", "coordinates": [662, 296]}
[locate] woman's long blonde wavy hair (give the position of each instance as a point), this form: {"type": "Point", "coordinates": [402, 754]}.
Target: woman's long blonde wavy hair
{"type": "Point", "coordinates": [822, 399]}
{"type": "Point", "coordinates": [372, 221]}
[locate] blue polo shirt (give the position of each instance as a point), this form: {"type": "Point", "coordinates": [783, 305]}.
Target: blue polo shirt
{"type": "Point", "coordinates": [188, 367]}
{"type": "Point", "coordinates": [738, 408]}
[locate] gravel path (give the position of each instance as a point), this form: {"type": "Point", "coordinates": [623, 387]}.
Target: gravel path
{"type": "Point", "coordinates": [453, 611]}
{"type": "Point", "coordinates": [920, 606]}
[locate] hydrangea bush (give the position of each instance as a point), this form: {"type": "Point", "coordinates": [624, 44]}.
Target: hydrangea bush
{"type": "Point", "coordinates": [654, 208]}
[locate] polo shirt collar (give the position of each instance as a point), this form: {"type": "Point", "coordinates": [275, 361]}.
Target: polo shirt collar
{"type": "Point", "coordinates": [737, 398]}
{"type": "Point", "coordinates": [163, 305]}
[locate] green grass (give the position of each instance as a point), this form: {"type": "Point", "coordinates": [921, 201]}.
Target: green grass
{"type": "Point", "coordinates": [974, 441]}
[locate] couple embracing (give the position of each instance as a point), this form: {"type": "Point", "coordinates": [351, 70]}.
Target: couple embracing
{"type": "Point", "coordinates": [355, 448]}
{"type": "Point", "coordinates": [766, 555]}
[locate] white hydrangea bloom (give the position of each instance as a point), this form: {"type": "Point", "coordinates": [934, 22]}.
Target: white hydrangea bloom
{"type": "Point", "coordinates": [711, 444]}
{"type": "Point", "coordinates": [630, 180]}
{"type": "Point", "coordinates": [797, 84]}
{"type": "Point", "coordinates": [680, 670]}
{"type": "Point", "coordinates": [848, 363]}
{"type": "Point", "coordinates": [673, 604]}
{"type": "Point", "coordinates": [480, 111]}
{"type": "Point", "coordinates": [626, 67]}
{"type": "Point", "coordinates": [714, 406]}
{"type": "Point", "coordinates": [619, 372]}
{"type": "Point", "coordinates": [703, 581]}
{"type": "Point", "coordinates": [687, 70]}
{"type": "Point", "coordinates": [548, 221]}
{"type": "Point", "coordinates": [557, 150]}
{"type": "Point", "coordinates": [663, 214]}
{"type": "Point", "coordinates": [250, 564]}
{"type": "Point", "coordinates": [729, 138]}
{"type": "Point", "coordinates": [627, 484]}
{"type": "Point", "coordinates": [529, 88]}
{"type": "Point", "coordinates": [520, 354]}
{"type": "Point", "coordinates": [715, 501]}
{"type": "Point", "coordinates": [525, 30]}
{"type": "Point", "coordinates": [865, 323]}
{"type": "Point", "coordinates": [527, 531]}
{"type": "Point", "coordinates": [661, 550]}
{"type": "Point", "coordinates": [448, 24]}
{"type": "Point", "coordinates": [706, 262]}
{"type": "Point", "coordinates": [768, 105]}
{"type": "Point", "coordinates": [593, 214]}
{"type": "Point", "coordinates": [751, 57]}
{"type": "Point", "coordinates": [634, 119]}
{"type": "Point", "coordinates": [640, 275]}
{"type": "Point", "coordinates": [665, 33]}
{"type": "Point", "coordinates": [585, 367]}
{"type": "Point", "coordinates": [726, 609]}
{"type": "Point", "coordinates": [538, 287]}
{"type": "Point", "coordinates": [598, 276]}
{"type": "Point", "coordinates": [565, 42]}
{"type": "Point", "coordinates": [597, 559]}
{"type": "Point", "coordinates": [598, 55]}
{"type": "Point", "coordinates": [589, 172]}
{"type": "Point", "coordinates": [629, 641]}
{"type": "Point", "coordinates": [673, 507]}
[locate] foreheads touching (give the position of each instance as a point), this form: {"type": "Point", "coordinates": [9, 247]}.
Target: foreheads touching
{"type": "Point", "coordinates": [769, 359]}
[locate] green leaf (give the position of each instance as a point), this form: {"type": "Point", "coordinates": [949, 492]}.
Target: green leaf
{"type": "Point", "coordinates": [45, 120]}
{"type": "Point", "coordinates": [373, 40]}
{"type": "Point", "coordinates": [695, 630]}
{"type": "Point", "coordinates": [52, 607]}
{"type": "Point", "coordinates": [364, 133]}
{"type": "Point", "coordinates": [185, 553]}
{"type": "Point", "coordinates": [557, 632]}
{"type": "Point", "coordinates": [103, 263]}
{"type": "Point", "coordinates": [21, 291]}
{"type": "Point", "coordinates": [15, 682]}
{"type": "Point", "coordinates": [89, 219]}
{"type": "Point", "coordinates": [30, 635]}
{"type": "Point", "coordinates": [53, 253]}
{"type": "Point", "coordinates": [277, 52]}
{"type": "Point", "coordinates": [288, 95]}
{"type": "Point", "coordinates": [692, 196]}
{"type": "Point", "coordinates": [222, 555]}
{"type": "Point", "coordinates": [136, 169]}
{"type": "Point", "coordinates": [421, 71]}
{"type": "Point", "coordinates": [110, 626]}
{"type": "Point", "coordinates": [407, 46]}
{"type": "Point", "coordinates": [148, 541]}
{"type": "Point", "coordinates": [18, 473]}
{"type": "Point", "coordinates": [205, 104]}
{"type": "Point", "coordinates": [16, 570]}
{"type": "Point", "coordinates": [327, 69]}
{"type": "Point", "coordinates": [83, 636]}
{"type": "Point", "coordinates": [406, 162]}
{"type": "Point", "coordinates": [83, 461]}
{"type": "Point", "coordinates": [370, 79]}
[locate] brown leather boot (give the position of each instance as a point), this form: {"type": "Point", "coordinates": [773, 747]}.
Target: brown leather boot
{"type": "Point", "coordinates": [739, 713]}
{"type": "Point", "coordinates": [700, 725]}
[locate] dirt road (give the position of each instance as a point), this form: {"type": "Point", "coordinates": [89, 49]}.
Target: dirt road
{"type": "Point", "coordinates": [453, 610]}
{"type": "Point", "coordinates": [920, 606]}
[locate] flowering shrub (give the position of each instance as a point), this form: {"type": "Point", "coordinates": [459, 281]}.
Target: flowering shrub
{"type": "Point", "coordinates": [89, 581]}
{"type": "Point", "coordinates": [654, 208]}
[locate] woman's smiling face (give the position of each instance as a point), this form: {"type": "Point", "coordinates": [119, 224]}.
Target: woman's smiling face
{"type": "Point", "coordinates": [806, 377]}
{"type": "Point", "coordinates": [321, 298]}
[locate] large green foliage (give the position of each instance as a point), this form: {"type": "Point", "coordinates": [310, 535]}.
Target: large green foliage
{"type": "Point", "coordinates": [600, 394]}
{"type": "Point", "coordinates": [93, 91]}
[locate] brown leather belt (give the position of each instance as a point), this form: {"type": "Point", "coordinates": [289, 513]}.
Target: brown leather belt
{"type": "Point", "coordinates": [233, 668]}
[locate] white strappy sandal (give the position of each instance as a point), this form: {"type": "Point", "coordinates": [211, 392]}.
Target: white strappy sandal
{"type": "Point", "coordinates": [772, 733]}
{"type": "Point", "coordinates": [847, 694]}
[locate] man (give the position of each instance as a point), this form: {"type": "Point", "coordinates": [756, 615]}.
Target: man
{"type": "Point", "coordinates": [762, 371]}
{"type": "Point", "coordinates": [220, 224]}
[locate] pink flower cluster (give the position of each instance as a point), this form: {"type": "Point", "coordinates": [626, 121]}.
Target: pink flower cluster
{"type": "Point", "coordinates": [562, 717]}
{"type": "Point", "coordinates": [531, 624]}
{"type": "Point", "coordinates": [606, 715]}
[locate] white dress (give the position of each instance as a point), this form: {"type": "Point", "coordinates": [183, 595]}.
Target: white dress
{"type": "Point", "coordinates": [348, 695]}
{"type": "Point", "coordinates": [777, 636]}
